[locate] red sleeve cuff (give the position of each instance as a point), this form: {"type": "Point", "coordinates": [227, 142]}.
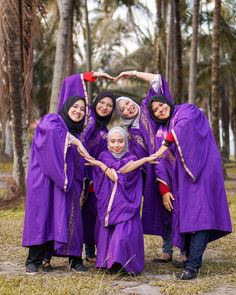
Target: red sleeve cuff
{"type": "Point", "coordinates": [163, 188]}
{"type": "Point", "coordinates": [89, 77]}
{"type": "Point", "coordinates": [170, 137]}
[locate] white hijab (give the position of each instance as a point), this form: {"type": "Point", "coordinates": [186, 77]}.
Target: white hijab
{"type": "Point", "coordinates": [124, 135]}
{"type": "Point", "coordinates": [134, 122]}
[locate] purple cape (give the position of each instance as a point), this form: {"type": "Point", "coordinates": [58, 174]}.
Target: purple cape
{"type": "Point", "coordinates": [54, 185]}
{"type": "Point", "coordinates": [120, 235]}
{"type": "Point", "coordinates": [192, 169]}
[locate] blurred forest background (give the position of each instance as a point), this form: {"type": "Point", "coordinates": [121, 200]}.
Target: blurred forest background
{"type": "Point", "coordinates": [191, 43]}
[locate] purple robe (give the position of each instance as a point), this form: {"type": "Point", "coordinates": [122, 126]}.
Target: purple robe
{"type": "Point", "coordinates": [154, 216]}
{"type": "Point", "coordinates": [54, 185]}
{"type": "Point", "coordinates": [120, 235]}
{"type": "Point", "coordinates": [95, 145]}
{"type": "Point", "coordinates": [192, 169]}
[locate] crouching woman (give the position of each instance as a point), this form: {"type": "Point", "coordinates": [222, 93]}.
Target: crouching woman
{"type": "Point", "coordinates": [118, 187]}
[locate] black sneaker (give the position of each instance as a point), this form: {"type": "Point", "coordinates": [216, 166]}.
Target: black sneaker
{"type": "Point", "coordinates": [79, 267]}
{"type": "Point", "coordinates": [32, 269]}
{"type": "Point", "coordinates": [187, 274]}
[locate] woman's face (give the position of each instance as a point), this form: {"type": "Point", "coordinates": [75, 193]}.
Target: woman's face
{"type": "Point", "coordinates": [128, 109]}
{"type": "Point", "coordinates": [160, 110]}
{"type": "Point", "coordinates": [104, 107]}
{"type": "Point", "coordinates": [116, 143]}
{"type": "Point", "coordinates": [77, 111]}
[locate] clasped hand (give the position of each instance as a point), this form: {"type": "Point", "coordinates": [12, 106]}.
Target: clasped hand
{"type": "Point", "coordinates": [122, 75]}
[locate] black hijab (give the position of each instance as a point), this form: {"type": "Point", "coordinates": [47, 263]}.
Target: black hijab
{"type": "Point", "coordinates": [102, 122]}
{"type": "Point", "coordinates": [74, 127]}
{"type": "Point", "coordinates": [163, 99]}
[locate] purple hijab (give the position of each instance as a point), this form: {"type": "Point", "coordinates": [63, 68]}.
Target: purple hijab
{"type": "Point", "coordinates": [120, 234]}
{"type": "Point", "coordinates": [54, 185]}
{"type": "Point", "coordinates": [192, 169]}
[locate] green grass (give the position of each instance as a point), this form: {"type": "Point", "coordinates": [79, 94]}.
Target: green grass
{"type": "Point", "coordinates": [219, 268]}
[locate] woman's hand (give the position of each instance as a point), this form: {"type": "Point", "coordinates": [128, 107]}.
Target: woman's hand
{"type": "Point", "coordinates": [93, 162]}
{"type": "Point", "coordinates": [127, 74]}
{"type": "Point", "coordinates": [161, 151]}
{"type": "Point", "coordinates": [82, 151]}
{"type": "Point", "coordinates": [151, 159]}
{"type": "Point", "coordinates": [167, 201]}
{"type": "Point", "coordinates": [102, 75]}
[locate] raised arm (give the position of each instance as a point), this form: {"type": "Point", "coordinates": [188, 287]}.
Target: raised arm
{"type": "Point", "coordinates": [148, 77]}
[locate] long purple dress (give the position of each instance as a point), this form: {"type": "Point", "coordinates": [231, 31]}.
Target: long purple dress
{"type": "Point", "coordinates": [154, 216]}
{"type": "Point", "coordinates": [192, 169]}
{"type": "Point", "coordinates": [120, 236]}
{"type": "Point", "coordinates": [54, 187]}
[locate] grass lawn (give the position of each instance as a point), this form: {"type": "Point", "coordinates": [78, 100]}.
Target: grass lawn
{"type": "Point", "coordinates": [218, 274]}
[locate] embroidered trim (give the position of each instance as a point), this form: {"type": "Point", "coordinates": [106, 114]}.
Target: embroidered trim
{"type": "Point", "coordinates": [139, 140]}
{"type": "Point", "coordinates": [67, 144]}
{"type": "Point", "coordinates": [149, 131]}
{"type": "Point", "coordinates": [90, 121]}
{"type": "Point", "coordinates": [162, 181]}
{"type": "Point", "coordinates": [181, 155]}
{"type": "Point", "coordinates": [111, 198]}
{"type": "Point", "coordinates": [86, 97]}
{"type": "Point", "coordinates": [170, 157]}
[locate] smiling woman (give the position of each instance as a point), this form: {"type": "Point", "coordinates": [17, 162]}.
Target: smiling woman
{"type": "Point", "coordinates": [77, 111]}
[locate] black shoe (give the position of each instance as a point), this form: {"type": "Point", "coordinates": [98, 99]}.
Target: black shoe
{"type": "Point", "coordinates": [32, 269]}
{"type": "Point", "coordinates": [187, 274]}
{"type": "Point", "coordinates": [178, 264]}
{"type": "Point", "coordinates": [79, 267]}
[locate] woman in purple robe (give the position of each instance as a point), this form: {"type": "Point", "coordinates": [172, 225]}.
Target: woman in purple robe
{"type": "Point", "coordinates": [191, 170]}
{"type": "Point", "coordinates": [145, 137]}
{"type": "Point", "coordinates": [118, 187]}
{"type": "Point", "coordinates": [94, 138]}
{"type": "Point", "coordinates": [53, 220]}
{"type": "Point", "coordinates": [102, 108]}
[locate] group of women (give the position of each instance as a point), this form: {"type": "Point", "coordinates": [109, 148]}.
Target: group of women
{"type": "Point", "coordinates": [85, 183]}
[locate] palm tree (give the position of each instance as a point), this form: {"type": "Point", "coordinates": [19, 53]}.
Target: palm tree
{"type": "Point", "coordinates": [64, 7]}
{"type": "Point", "coordinates": [193, 54]}
{"type": "Point", "coordinates": [215, 71]}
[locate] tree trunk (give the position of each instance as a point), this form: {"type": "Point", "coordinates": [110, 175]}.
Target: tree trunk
{"type": "Point", "coordinates": [88, 50]}
{"type": "Point", "coordinates": [170, 48]}
{"type": "Point", "coordinates": [178, 94]}
{"type": "Point", "coordinates": [225, 123]}
{"type": "Point", "coordinates": [70, 44]}
{"type": "Point", "coordinates": [64, 7]}
{"type": "Point", "coordinates": [215, 71]}
{"type": "Point", "coordinates": [193, 55]}
{"type": "Point", "coordinates": [158, 36]}
{"type": "Point", "coordinates": [233, 111]}
{"type": "Point", "coordinates": [16, 83]}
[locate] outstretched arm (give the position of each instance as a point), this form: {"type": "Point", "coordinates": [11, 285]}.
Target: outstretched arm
{"type": "Point", "coordinates": [136, 164]}
{"type": "Point", "coordinates": [108, 171]}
